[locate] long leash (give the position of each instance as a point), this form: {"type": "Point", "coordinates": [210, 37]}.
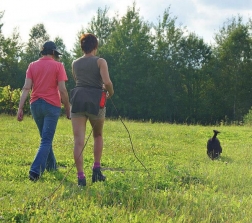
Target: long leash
{"type": "Point", "coordinates": [132, 147]}
{"type": "Point", "coordinates": [53, 192]}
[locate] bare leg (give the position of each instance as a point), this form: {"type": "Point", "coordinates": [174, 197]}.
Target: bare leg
{"type": "Point", "coordinates": [97, 126]}
{"type": "Point", "coordinates": [79, 129]}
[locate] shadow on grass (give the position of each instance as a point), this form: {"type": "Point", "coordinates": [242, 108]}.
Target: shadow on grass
{"type": "Point", "coordinates": [224, 159]}
{"type": "Point", "coordinates": [58, 175]}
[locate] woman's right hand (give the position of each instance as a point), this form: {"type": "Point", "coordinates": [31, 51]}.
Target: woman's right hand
{"type": "Point", "coordinates": [68, 114]}
{"type": "Point", "coordinates": [109, 95]}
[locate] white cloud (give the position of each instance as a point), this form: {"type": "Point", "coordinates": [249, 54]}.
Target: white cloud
{"type": "Point", "coordinates": [229, 4]}
{"type": "Point", "coordinates": [66, 18]}
{"type": "Point", "coordinates": [209, 18]}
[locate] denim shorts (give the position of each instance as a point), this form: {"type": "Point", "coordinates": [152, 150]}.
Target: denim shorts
{"type": "Point", "coordinates": [101, 114]}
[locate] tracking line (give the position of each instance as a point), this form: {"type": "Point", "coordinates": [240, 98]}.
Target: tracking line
{"type": "Point", "coordinates": [132, 147]}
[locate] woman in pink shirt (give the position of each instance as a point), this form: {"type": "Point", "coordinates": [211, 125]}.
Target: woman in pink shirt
{"type": "Point", "coordinates": [46, 78]}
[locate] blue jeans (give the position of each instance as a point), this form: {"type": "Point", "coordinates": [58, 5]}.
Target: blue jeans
{"type": "Point", "coordinates": [46, 117]}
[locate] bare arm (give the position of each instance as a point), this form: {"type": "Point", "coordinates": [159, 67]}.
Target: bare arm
{"type": "Point", "coordinates": [25, 91]}
{"type": "Point", "coordinates": [64, 97]}
{"type": "Point", "coordinates": [105, 76]}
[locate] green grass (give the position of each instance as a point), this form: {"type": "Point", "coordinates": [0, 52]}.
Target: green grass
{"type": "Point", "coordinates": [184, 185]}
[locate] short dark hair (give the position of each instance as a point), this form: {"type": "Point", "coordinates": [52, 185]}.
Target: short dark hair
{"type": "Point", "coordinates": [88, 42]}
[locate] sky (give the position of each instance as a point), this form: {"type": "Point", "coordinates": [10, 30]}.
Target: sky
{"type": "Point", "coordinates": [66, 18]}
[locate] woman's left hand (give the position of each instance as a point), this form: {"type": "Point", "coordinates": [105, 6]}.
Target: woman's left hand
{"type": "Point", "coordinates": [20, 115]}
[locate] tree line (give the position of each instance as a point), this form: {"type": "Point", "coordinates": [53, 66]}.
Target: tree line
{"type": "Point", "coordinates": [161, 72]}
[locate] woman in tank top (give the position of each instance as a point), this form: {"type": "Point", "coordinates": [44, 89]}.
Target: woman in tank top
{"type": "Point", "coordinates": [93, 87]}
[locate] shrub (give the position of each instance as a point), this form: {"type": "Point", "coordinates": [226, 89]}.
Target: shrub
{"type": "Point", "coordinates": [247, 119]}
{"type": "Point", "coordinates": [9, 100]}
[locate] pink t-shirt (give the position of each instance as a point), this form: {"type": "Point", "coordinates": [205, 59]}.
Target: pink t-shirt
{"type": "Point", "coordinates": [45, 74]}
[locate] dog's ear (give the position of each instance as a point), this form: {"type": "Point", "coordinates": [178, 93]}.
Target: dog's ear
{"type": "Point", "coordinates": [216, 132]}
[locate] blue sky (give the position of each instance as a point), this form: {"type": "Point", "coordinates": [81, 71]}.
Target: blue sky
{"type": "Point", "coordinates": [66, 18]}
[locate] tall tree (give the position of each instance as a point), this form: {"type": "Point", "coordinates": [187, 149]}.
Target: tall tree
{"type": "Point", "coordinates": [66, 59]}
{"type": "Point", "coordinates": [77, 51]}
{"type": "Point", "coordinates": [101, 26]}
{"type": "Point", "coordinates": [1, 47]}
{"type": "Point", "coordinates": [37, 37]}
{"type": "Point", "coordinates": [194, 54]}
{"type": "Point", "coordinates": [128, 52]}
{"type": "Point", "coordinates": [166, 79]}
{"type": "Point", "coordinates": [10, 51]}
{"type": "Point", "coordinates": [10, 69]}
{"type": "Point", "coordinates": [1, 24]}
{"type": "Point", "coordinates": [233, 58]}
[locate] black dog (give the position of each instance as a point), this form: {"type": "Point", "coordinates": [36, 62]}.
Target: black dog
{"type": "Point", "coordinates": [213, 146]}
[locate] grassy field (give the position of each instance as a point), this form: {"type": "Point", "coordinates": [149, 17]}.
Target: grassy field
{"type": "Point", "coordinates": [181, 185]}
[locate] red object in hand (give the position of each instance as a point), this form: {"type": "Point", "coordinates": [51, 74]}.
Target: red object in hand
{"type": "Point", "coordinates": [103, 99]}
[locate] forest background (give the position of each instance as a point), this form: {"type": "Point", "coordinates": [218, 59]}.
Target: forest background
{"type": "Point", "coordinates": [161, 72]}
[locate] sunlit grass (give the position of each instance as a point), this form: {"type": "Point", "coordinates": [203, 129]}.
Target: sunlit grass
{"type": "Point", "coordinates": [181, 185]}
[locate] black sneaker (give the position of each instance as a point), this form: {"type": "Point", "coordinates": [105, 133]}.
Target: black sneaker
{"type": "Point", "coordinates": [82, 182]}
{"type": "Point", "coordinates": [97, 175]}
{"type": "Point", "coordinates": [33, 176]}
